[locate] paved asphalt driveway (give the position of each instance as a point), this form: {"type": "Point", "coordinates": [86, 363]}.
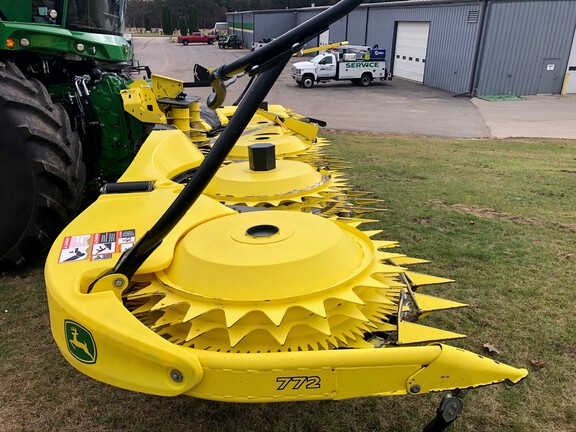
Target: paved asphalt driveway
{"type": "Point", "coordinates": [395, 107]}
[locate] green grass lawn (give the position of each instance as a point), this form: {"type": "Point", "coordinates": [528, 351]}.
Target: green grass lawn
{"type": "Point", "coordinates": [498, 216]}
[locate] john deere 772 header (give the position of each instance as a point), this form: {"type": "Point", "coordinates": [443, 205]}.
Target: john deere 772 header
{"type": "Point", "coordinates": [227, 261]}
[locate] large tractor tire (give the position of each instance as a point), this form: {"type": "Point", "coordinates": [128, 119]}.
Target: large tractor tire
{"type": "Point", "coordinates": [41, 170]}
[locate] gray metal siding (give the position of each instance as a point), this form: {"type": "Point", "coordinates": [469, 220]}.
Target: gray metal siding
{"type": "Point", "coordinates": [356, 31]}
{"type": "Point", "coordinates": [451, 41]}
{"type": "Point", "coordinates": [303, 16]}
{"type": "Point", "coordinates": [338, 30]}
{"type": "Point", "coordinates": [248, 24]}
{"type": "Point", "coordinates": [519, 36]}
{"type": "Point", "coordinates": [272, 25]}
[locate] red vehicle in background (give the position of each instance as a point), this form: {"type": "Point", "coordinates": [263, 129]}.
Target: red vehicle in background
{"type": "Point", "coordinates": [196, 37]}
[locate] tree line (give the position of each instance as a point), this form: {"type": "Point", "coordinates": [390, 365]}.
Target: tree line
{"type": "Point", "coordinates": [192, 15]}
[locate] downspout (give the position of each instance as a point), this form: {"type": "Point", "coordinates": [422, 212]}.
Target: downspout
{"type": "Point", "coordinates": [479, 50]}
{"type": "Point", "coordinates": [366, 26]}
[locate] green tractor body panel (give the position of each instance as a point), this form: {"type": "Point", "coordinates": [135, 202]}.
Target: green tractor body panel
{"type": "Point", "coordinates": [86, 29]}
{"type": "Point", "coordinates": [49, 39]}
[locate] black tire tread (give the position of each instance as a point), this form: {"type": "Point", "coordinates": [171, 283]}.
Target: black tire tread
{"type": "Point", "coordinates": [54, 160]}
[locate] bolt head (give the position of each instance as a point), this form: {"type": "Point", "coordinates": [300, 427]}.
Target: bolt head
{"type": "Point", "coordinates": [176, 375]}
{"type": "Point", "coordinates": [118, 282]}
{"type": "Point", "coordinates": [415, 388]}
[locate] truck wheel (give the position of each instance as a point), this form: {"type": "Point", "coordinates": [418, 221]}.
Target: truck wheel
{"type": "Point", "coordinates": [365, 79]}
{"type": "Point", "coordinates": [184, 42]}
{"type": "Point", "coordinates": [41, 169]}
{"type": "Point", "coordinates": [225, 46]}
{"type": "Point", "coordinates": [210, 41]}
{"type": "Point", "coordinates": [307, 81]}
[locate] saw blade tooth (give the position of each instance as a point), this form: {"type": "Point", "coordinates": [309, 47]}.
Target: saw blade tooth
{"type": "Point", "coordinates": [372, 233]}
{"type": "Point", "coordinates": [319, 324]}
{"type": "Point", "coordinates": [421, 279]}
{"type": "Point", "coordinates": [371, 282]}
{"type": "Point", "coordinates": [349, 296]}
{"type": "Point", "coordinates": [168, 300]}
{"type": "Point", "coordinates": [202, 325]}
{"type": "Point", "coordinates": [280, 333]}
{"type": "Point", "coordinates": [316, 307]}
{"type": "Point", "coordinates": [349, 310]}
{"type": "Point", "coordinates": [172, 315]}
{"type": "Point", "coordinates": [234, 314]}
{"type": "Point", "coordinates": [196, 309]}
{"type": "Point", "coordinates": [385, 244]}
{"type": "Point", "coordinates": [406, 260]}
{"type": "Point", "coordinates": [238, 332]}
{"type": "Point", "coordinates": [275, 314]}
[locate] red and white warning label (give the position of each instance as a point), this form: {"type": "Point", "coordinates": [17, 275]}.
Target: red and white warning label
{"type": "Point", "coordinates": [98, 246]}
{"type": "Point", "coordinates": [75, 248]}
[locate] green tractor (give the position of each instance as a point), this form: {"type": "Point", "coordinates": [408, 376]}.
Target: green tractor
{"type": "Point", "coordinates": [63, 64]}
{"type": "Point", "coordinates": [231, 41]}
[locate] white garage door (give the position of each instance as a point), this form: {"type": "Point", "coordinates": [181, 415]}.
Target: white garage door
{"type": "Point", "coordinates": [570, 86]}
{"type": "Point", "coordinates": [410, 54]}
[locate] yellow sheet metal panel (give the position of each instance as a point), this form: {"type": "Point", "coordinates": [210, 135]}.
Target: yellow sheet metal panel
{"type": "Point", "coordinates": [132, 358]}
{"type": "Point", "coordinates": [165, 87]}
{"type": "Point", "coordinates": [164, 154]}
{"type": "Point", "coordinates": [140, 102]}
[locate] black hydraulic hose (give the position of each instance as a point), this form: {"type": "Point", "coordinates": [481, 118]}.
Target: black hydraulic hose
{"type": "Point", "coordinates": [276, 56]}
{"type": "Point", "coordinates": [239, 99]}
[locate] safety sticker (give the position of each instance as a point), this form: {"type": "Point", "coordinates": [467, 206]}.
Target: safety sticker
{"type": "Point", "coordinates": [75, 248]}
{"type": "Point", "coordinates": [96, 247]}
{"type": "Point", "coordinates": [107, 243]}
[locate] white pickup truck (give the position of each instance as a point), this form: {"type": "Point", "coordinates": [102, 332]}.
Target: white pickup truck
{"type": "Point", "coordinates": [341, 66]}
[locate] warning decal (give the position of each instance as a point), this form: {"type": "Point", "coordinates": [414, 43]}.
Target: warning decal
{"type": "Point", "coordinates": [74, 248]}
{"type": "Point", "coordinates": [103, 244]}
{"type": "Point", "coordinates": [96, 247]}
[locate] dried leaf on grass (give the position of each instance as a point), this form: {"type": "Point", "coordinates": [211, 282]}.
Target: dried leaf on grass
{"type": "Point", "coordinates": [491, 348]}
{"type": "Point", "coordinates": [537, 363]}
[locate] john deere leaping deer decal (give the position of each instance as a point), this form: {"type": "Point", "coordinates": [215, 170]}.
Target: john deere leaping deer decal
{"type": "Point", "coordinates": [80, 342]}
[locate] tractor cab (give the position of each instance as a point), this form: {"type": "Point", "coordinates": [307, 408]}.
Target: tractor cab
{"type": "Point", "coordinates": [101, 16]}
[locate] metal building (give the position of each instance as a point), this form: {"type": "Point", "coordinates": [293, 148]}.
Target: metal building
{"type": "Point", "coordinates": [476, 47]}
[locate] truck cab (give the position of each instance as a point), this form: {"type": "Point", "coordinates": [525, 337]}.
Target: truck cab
{"type": "Point", "coordinates": [325, 65]}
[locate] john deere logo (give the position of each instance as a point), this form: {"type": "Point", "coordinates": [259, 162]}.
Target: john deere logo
{"type": "Point", "coordinates": [80, 342]}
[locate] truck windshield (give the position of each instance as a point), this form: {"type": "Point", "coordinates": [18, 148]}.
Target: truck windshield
{"type": "Point", "coordinates": [96, 16]}
{"type": "Point", "coordinates": [318, 58]}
